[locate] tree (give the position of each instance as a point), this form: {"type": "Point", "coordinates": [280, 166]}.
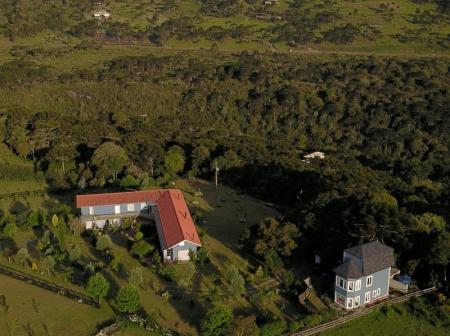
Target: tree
{"type": "Point", "coordinates": [97, 286]}
{"type": "Point", "coordinates": [48, 263]}
{"type": "Point", "coordinates": [244, 326]}
{"type": "Point", "coordinates": [22, 256]}
{"type": "Point", "coordinates": [117, 258]}
{"type": "Point", "coordinates": [275, 328]}
{"type": "Point", "coordinates": [127, 299]}
{"type": "Point", "coordinates": [236, 281]}
{"type": "Point", "coordinates": [75, 253]}
{"type": "Point", "coordinates": [55, 220]}
{"type": "Point", "coordinates": [34, 219]}
{"type": "Point", "coordinates": [10, 230]}
{"type": "Point", "coordinates": [109, 159]}
{"type": "Point", "coordinates": [174, 161]}
{"type": "Point", "coordinates": [141, 248]}
{"type": "Point", "coordinates": [103, 243]}
{"type": "Point", "coordinates": [136, 277]}
{"type": "Point", "coordinates": [217, 321]}
{"type": "Point", "coordinates": [272, 235]}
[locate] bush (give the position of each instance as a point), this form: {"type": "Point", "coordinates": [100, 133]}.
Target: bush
{"type": "Point", "coordinates": [141, 248]}
{"type": "Point", "coordinates": [275, 328]}
{"type": "Point", "coordinates": [128, 300]}
{"type": "Point", "coordinates": [97, 286]}
{"type": "Point", "coordinates": [216, 321]}
{"type": "Point", "coordinates": [103, 243]}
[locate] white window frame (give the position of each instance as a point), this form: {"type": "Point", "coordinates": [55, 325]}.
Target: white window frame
{"type": "Point", "coordinates": [357, 301]}
{"type": "Point", "coordinates": [357, 285]}
{"type": "Point", "coordinates": [378, 291]}
{"type": "Point", "coordinates": [336, 295]}
{"type": "Point", "coordinates": [369, 281]}
{"type": "Point", "coordinates": [344, 283]}
{"type": "Point", "coordinates": [367, 297]}
{"type": "Point", "coordinates": [350, 283]}
{"type": "Point", "coordinates": [169, 253]}
{"type": "Point", "coordinates": [374, 293]}
{"type": "Point", "coordinates": [130, 207]}
{"type": "Point", "coordinates": [349, 303]}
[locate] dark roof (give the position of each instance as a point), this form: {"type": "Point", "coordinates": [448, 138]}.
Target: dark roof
{"type": "Point", "coordinates": [367, 259]}
{"type": "Point", "coordinates": [175, 219]}
{"type": "Point", "coordinates": [349, 269]}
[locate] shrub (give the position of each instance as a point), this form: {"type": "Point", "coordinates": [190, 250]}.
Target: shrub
{"type": "Point", "coordinates": [216, 321]}
{"type": "Point", "coordinates": [128, 300]}
{"type": "Point", "coordinates": [97, 286]}
{"type": "Point", "coordinates": [103, 243]}
{"type": "Point", "coordinates": [274, 328]}
{"type": "Point", "coordinates": [141, 248]}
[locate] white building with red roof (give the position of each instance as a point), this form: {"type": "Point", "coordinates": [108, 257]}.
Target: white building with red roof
{"type": "Point", "coordinates": [167, 208]}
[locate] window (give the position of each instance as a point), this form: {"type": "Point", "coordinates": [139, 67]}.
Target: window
{"type": "Point", "coordinates": [340, 282]}
{"type": "Point", "coordinates": [169, 253]}
{"type": "Point", "coordinates": [91, 210]}
{"type": "Point", "coordinates": [117, 209]}
{"type": "Point", "coordinates": [340, 300]}
{"type": "Point", "coordinates": [130, 207]}
{"type": "Point", "coordinates": [378, 291]}
{"type": "Point", "coordinates": [374, 293]}
{"type": "Point", "coordinates": [367, 297]}
{"type": "Point", "coordinates": [350, 303]}
{"type": "Point", "coordinates": [357, 301]}
{"type": "Point", "coordinates": [351, 286]}
{"type": "Point", "coordinates": [369, 281]}
{"type": "Point", "coordinates": [357, 285]}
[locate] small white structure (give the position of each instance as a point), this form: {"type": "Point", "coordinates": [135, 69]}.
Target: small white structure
{"type": "Point", "coordinates": [315, 155]}
{"type": "Point", "coordinates": [102, 14]}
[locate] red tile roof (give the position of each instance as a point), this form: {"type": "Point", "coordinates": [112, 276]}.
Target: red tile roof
{"type": "Point", "coordinates": [176, 221]}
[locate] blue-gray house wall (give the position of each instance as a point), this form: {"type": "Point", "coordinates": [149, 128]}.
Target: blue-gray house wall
{"type": "Point", "coordinates": [180, 247]}
{"type": "Point", "coordinates": [378, 290]}
{"type": "Point", "coordinates": [102, 210]}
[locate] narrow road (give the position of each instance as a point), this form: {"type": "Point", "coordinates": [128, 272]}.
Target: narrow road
{"type": "Point", "coordinates": [306, 51]}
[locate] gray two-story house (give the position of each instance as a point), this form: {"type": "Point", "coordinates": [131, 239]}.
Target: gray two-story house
{"type": "Point", "coordinates": [364, 275]}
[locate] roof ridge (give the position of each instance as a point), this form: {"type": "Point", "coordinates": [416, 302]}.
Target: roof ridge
{"type": "Point", "coordinates": [176, 212]}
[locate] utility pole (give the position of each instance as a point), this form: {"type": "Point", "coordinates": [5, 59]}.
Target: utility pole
{"type": "Point", "coordinates": [216, 173]}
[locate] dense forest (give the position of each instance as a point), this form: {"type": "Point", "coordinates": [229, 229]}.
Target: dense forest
{"type": "Point", "coordinates": [137, 122]}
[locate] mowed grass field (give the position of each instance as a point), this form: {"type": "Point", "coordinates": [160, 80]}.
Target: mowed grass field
{"type": "Point", "coordinates": [30, 310]}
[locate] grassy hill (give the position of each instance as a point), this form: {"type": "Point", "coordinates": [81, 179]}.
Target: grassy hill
{"type": "Point", "coordinates": [65, 33]}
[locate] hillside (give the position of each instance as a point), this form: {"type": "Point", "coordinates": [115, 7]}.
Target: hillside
{"type": "Point", "coordinates": [62, 29]}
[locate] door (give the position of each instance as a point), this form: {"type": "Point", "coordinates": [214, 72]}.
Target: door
{"type": "Point", "coordinates": [183, 255]}
{"type": "Point", "coordinates": [117, 209]}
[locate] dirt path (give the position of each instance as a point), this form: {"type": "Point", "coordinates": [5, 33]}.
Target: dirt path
{"type": "Point", "coordinates": [306, 51]}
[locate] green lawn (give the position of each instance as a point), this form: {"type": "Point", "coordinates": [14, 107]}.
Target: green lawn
{"type": "Point", "coordinates": [395, 322]}
{"type": "Point", "coordinates": [17, 174]}
{"type": "Point", "coordinates": [31, 309]}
